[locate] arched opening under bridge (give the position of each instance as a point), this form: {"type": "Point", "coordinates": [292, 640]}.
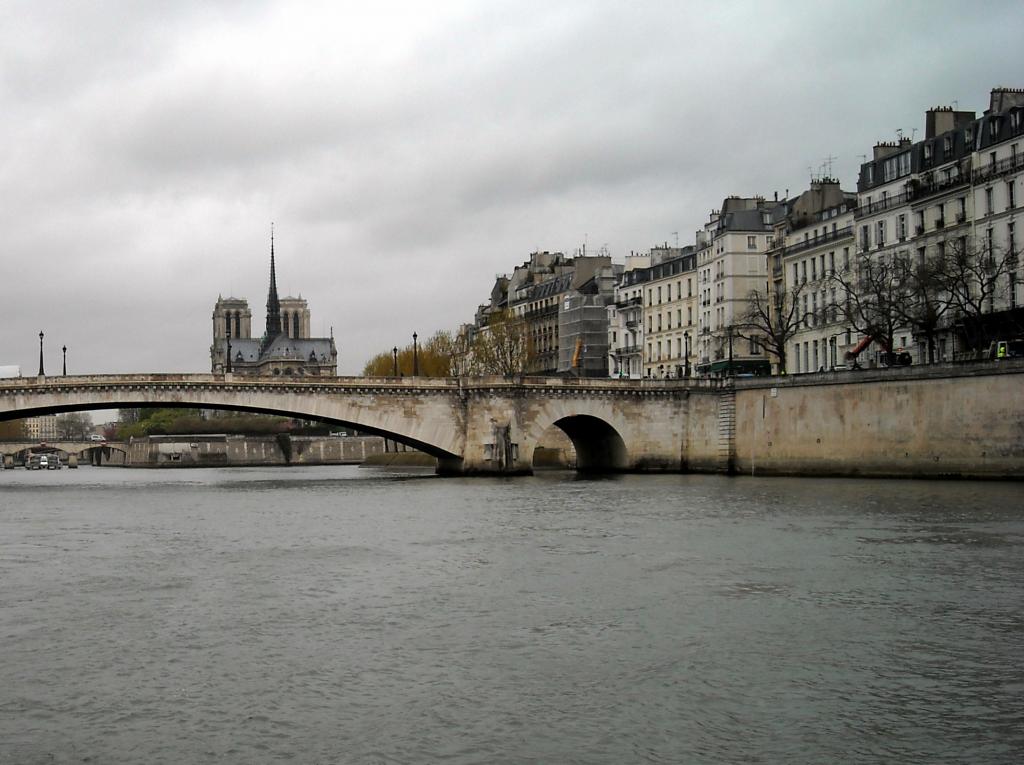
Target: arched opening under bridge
{"type": "Point", "coordinates": [597, 445]}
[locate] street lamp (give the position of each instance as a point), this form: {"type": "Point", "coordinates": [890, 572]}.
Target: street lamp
{"type": "Point", "coordinates": [415, 356]}
{"type": "Point", "coordinates": [686, 358]}
{"type": "Point", "coordinates": [65, 350]}
{"type": "Point", "coordinates": [41, 372]}
{"type": "Point", "coordinates": [227, 365]}
{"type": "Point", "coordinates": [394, 358]}
{"type": "Point", "coordinates": [730, 350]}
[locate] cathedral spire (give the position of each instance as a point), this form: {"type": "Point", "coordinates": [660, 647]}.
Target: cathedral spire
{"type": "Point", "coordinates": [273, 304]}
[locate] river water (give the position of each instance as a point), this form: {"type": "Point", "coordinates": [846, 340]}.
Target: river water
{"type": "Point", "coordinates": [335, 615]}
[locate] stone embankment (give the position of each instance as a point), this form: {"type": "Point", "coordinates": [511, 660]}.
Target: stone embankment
{"type": "Point", "coordinates": [949, 420]}
{"type": "Point", "coordinates": [250, 451]}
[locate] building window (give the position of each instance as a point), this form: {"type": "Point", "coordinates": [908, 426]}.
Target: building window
{"type": "Point", "coordinates": [989, 204]}
{"type": "Point", "coordinates": [751, 242]}
{"type": "Point", "coordinates": [865, 237]}
{"type": "Point", "coordinates": [881, 233]}
{"type": "Point", "coordinates": [1011, 198]}
{"type": "Point", "coordinates": [846, 258]}
{"type": "Point", "coordinates": [901, 227]}
{"type": "Point", "coordinates": [814, 270]}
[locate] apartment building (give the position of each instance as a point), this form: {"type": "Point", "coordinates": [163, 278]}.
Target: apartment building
{"type": "Point", "coordinates": [42, 428]}
{"type": "Point", "coordinates": [537, 291]}
{"type": "Point", "coordinates": [670, 312]}
{"type": "Point", "coordinates": [731, 263]}
{"type": "Point", "coordinates": [626, 321]}
{"type": "Point", "coordinates": [957, 189]}
{"type": "Point", "coordinates": [815, 241]}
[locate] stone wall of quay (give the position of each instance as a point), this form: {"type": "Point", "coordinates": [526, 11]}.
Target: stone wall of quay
{"type": "Point", "coordinates": [936, 421]}
{"type": "Point", "coordinates": [249, 451]}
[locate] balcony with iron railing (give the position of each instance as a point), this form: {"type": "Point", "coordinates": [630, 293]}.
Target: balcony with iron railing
{"type": "Point", "coordinates": [928, 185]}
{"type": "Point", "coordinates": [880, 205]}
{"type": "Point", "coordinates": [993, 170]}
{"type": "Point", "coordinates": [628, 350]}
{"type": "Point", "coordinates": [828, 236]}
{"type": "Point", "coordinates": [541, 313]}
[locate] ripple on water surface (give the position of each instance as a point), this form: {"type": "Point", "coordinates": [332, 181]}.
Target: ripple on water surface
{"type": "Point", "coordinates": [346, 615]}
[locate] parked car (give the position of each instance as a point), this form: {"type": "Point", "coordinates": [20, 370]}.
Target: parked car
{"type": "Point", "coordinates": [96, 437]}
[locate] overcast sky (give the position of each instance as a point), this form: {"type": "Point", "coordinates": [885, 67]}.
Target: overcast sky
{"type": "Point", "coordinates": [409, 152]}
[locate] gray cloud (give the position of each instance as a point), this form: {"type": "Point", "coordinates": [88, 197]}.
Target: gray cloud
{"type": "Point", "coordinates": [409, 152]}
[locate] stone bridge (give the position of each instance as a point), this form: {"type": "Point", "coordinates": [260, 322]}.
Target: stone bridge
{"type": "Point", "coordinates": [92, 451]}
{"type": "Point", "coordinates": [486, 425]}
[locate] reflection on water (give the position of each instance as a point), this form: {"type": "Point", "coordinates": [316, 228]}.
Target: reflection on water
{"type": "Point", "coordinates": [347, 615]}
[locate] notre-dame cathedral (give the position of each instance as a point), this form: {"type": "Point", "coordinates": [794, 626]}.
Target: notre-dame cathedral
{"type": "Point", "coordinates": [286, 349]}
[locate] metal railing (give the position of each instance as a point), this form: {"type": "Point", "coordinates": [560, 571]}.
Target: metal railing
{"type": "Point", "coordinates": [829, 236]}
{"type": "Point", "coordinates": [991, 170]}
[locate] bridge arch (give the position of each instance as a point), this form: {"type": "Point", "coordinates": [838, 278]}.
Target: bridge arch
{"type": "Point", "coordinates": [408, 423]}
{"type": "Point", "coordinates": [599, 447]}
{"type": "Point", "coordinates": [594, 429]}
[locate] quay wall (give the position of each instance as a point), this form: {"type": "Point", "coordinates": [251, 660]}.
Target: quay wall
{"type": "Point", "coordinates": [936, 421]}
{"type": "Point", "coordinates": [239, 451]}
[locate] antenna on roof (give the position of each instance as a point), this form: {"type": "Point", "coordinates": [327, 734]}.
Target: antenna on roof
{"type": "Point", "coordinates": [913, 132]}
{"type": "Point", "coordinates": [956, 103]}
{"type": "Point", "coordinates": [828, 164]}
{"type": "Point", "coordinates": [676, 235]}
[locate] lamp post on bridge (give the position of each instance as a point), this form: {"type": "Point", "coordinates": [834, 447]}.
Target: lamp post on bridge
{"type": "Point", "coordinates": [394, 359]}
{"type": "Point", "coordinates": [686, 358]}
{"type": "Point", "coordinates": [415, 356]}
{"type": "Point", "coordinates": [41, 372]}
{"type": "Point", "coordinates": [227, 364]}
{"type": "Point", "coordinates": [65, 350]}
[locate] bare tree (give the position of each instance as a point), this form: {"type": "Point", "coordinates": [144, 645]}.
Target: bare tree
{"type": "Point", "coordinates": [871, 297]}
{"type": "Point", "coordinates": [925, 297]}
{"type": "Point", "coordinates": [772, 323]}
{"type": "Point", "coordinates": [975, 276]}
{"type": "Point", "coordinates": [502, 347]}
{"type": "Point", "coordinates": [74, 425]}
